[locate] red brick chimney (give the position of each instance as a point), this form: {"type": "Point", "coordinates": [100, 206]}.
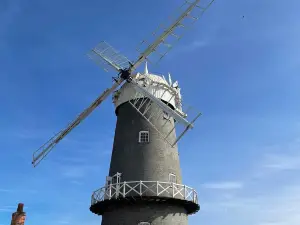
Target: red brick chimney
{"type": "Point", "coordinates": [18, 217]}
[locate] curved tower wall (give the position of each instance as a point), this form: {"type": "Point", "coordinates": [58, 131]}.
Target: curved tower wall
{"type": "Point", "coordinates": [154, 213]}
{"type": "Point", "coordinates": [152, 161]}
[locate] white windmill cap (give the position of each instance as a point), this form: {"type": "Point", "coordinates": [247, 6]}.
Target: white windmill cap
{"type": "Point", "coordinates": [165, 91]}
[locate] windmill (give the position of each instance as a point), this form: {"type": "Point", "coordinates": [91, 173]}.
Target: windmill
{"type": "Point", "coordinates": [144, 181]}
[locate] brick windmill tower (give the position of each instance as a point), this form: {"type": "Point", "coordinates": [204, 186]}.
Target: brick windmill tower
{"type": "Point", "coordinates": [144, 184]}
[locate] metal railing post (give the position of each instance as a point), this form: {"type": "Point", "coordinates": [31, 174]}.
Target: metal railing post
{"type": "Point", "coordinates": [140, 188]}
{"type": "Point", "coordinates": [124, 188]}
{"type": "Point", "coordinates": [109, 192]}
{"type": "Point", "coordinates": [173, 190]}
{"type": "Point", "coordinates": [193, 196]}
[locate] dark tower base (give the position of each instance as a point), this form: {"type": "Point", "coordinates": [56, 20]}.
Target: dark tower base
{"type": "Point", "coordinates": [154, 213]}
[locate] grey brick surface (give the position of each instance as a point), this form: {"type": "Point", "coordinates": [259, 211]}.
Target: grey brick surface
{"type": "Point", "coordinates": [153, 161]}
{"type": "Point", "coordinates": [155, 214]}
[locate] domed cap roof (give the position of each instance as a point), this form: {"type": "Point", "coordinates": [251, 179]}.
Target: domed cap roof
{"type": "Point", "coordinates": [155, 84]}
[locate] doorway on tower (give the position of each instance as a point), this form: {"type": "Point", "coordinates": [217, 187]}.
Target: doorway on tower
{"type": "Point", "coordinates": [115, 179]}
{"type": "Point", "coordinates": [113, 185]}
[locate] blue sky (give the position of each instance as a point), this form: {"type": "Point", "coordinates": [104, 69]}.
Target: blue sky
{"type": "Point", "coordinates": [242, 73]}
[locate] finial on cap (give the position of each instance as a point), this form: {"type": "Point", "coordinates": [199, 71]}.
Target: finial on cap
{"type": "Point", "coordinates": [170, 80]}
{"type": "Point", "coordinates": [146, 68]}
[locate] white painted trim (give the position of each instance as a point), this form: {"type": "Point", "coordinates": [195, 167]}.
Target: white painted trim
{"type": "Point", "coordinates": [155, 85]}
{"type": "Point", "coordinates": [170, 178]}
{"type": "Point", "coordinates": [140, 136]}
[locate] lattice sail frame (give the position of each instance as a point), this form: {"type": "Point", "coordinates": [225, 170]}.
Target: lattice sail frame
{"type": "Point", "coordinates": [190, 12]}
{"type": "Point", "coordinates": [144, 99]}
{"type": "Point", "coordinates": [108, 57]}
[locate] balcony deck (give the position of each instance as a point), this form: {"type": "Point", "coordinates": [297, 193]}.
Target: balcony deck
{"type": "Point", "coordinates": [115, 195]}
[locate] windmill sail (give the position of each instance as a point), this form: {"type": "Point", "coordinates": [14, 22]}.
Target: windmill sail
{"type": "Point", "coordinates": [45, 149]}
{"type": "Point", "coordinates": [166, 35]}
{"type": "Point", "coordinates": [107, 57]}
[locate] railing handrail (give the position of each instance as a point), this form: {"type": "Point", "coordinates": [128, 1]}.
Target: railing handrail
{"type": "Point", "coordinates": [158, 188]}
{"type": "Point", "coordinates": [148, 181]}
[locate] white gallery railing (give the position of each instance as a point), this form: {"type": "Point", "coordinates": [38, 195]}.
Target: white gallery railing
{"type": "Point", "coordinates": [145, 188]}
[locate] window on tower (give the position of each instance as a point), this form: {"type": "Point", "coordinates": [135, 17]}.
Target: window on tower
{"type": "Point", "coordinates": [166, 115]}
{"type": "Point", "coordinates": [172, 178]}
{"type": "Point", "coordinates": [143, 136]}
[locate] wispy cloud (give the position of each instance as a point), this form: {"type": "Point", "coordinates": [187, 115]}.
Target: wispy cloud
{"type": "Point", "coordinates": [65, 219]}
{"type": "Point", "coordinates": [279, 158]}
{"type": "Point", "coordinates": [198, 44]}
{"type": "Point", "coordinates": [14, 190]}
{"type": "Point", "coordinates": [282, 162]}
{"type": "Point", "coordinates": [27, 133]}
{"type": "Point", "coordinates": [77, 171]}
{"type": "Point", "coordinates": [271, 204]}
{"type": "Point", "coordinates": [224, 185]}
{"type": "Point", "coordinates": [64, 222]}
{"type": "Point", "coordinates": [32, 134]}
{"type": "Point", "coordinates": [194, 46]}
{"type": "Point", "coordinates": [76, 182]}
{"type": "Point", "coordinates": [7, 208]}
{"type": "Point", "coordinates": [190, 47]}
{"type": "Point", "coordinates": [74, 172]}
{"type": "Point", "coordinates": [277, 208]}
{"type": "Point", "coordinates": [6, 190]}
